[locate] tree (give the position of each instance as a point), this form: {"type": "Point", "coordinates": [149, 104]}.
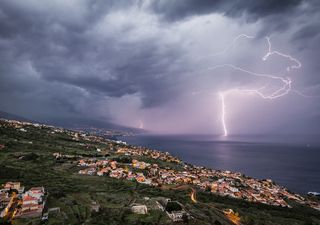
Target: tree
{"type": "Point", "coordinates": [247, 220]}
{"type": "Point", "coordinates": [173, 206]}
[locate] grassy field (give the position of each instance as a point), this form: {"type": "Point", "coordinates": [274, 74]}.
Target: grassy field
{"type": "Point", "coordinates": [28, 158]}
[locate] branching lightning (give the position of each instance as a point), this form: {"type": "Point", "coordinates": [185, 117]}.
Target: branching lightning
{"type": "Point", "coordinates": [285, 82]}
{"type": "Point", "coordinates": [234, 41]}
{"type": "Point", "coordinates": [270, 53]}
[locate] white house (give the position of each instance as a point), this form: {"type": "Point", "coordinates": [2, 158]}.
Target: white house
{"type": "Point", "coordinates": [139, 209]}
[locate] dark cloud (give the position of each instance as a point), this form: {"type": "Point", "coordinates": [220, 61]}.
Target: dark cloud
{"type": "Point", "coordinates": [307, 32]}
{"type": "Point", "coordinates": [78, 57]}
{"type": "Point", "coordinates": [65, 49]}
{"type": "Point", "coordinates": [253, 9]}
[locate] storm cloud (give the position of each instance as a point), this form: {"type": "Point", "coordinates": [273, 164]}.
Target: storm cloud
{"type": "Point", "coordinates": [148, 61]}
{"type": "Point", "coordinates": [254, 10]}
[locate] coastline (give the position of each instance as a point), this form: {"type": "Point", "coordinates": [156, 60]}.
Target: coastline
{"type": "Point", "coordinates": [258, 160]}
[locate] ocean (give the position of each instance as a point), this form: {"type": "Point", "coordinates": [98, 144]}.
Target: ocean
{"type": "Point", "coordinates": [293, 162]}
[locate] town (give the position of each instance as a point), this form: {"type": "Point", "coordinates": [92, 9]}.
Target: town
{"type": "Point", "coordinates": [111, 161]}
{"type": "Point", "coordinates": [226, 183]}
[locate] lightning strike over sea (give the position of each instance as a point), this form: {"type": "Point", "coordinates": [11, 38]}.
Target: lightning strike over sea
{"type": "Point", "coordinates": [141, 125]}
{"type": "Point", "coordinates": [223, 114]}
{"type": "Point", "coordinates": [285, 81]}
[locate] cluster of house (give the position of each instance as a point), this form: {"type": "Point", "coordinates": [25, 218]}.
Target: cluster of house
{"type": "Point", "coordinates": [59, 156]}
{"type": "Point", "coordinates": [235, 185]}
{"type": "Point", "coordinates": [114, 169]}
{"type": "Point", "coordinates": [33, 202]}
{"type": "Point", "coordinates": [15, 202]}
{"type": "Point", "coordinates": [21, 125]}
{"type": "Point", "coordinates": [224, 183]}
{"type": "Point", "coordinates": [140, 151]}
{"type": "Point", "coordinates": [78, 135]}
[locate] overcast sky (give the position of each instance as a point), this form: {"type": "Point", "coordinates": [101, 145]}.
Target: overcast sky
{"type": "Point", "coordinates": [154, 64]}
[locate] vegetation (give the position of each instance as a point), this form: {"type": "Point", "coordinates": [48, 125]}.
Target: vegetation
{"type": "Point", "coordinates": [28, 158]}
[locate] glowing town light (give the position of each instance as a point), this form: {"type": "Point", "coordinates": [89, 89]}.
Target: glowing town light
{"type": "Point", "coordinates": [193, 196]}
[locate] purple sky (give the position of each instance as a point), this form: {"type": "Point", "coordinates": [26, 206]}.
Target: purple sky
{"type": "Point", "coordinates": [146, 63]}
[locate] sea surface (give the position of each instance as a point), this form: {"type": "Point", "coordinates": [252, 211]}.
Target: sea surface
{"type": "Point", "coordinates": [293, 162]}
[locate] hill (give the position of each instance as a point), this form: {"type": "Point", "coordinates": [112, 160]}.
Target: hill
{"type": "Point", "coordinates": [95, 126]}
{"type": "Point", "coordinates": [10, 116]}
{"type": "Point", "coordinates": [60, 161]}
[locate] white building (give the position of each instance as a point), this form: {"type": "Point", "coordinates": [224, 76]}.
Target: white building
{"type": "Point", "coordinates": [139, 209]}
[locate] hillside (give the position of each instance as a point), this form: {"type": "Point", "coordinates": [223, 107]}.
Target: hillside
{"type": "Point", "coordinates": [10, 116]}
{"type": "Point", "coordinates": [58, 160]}
{"type": "Point", "coordinates": [95, 126]}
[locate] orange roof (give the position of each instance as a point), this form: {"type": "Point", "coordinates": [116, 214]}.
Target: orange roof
{"type": "Point", "coordinates": [37, 188]}
{"type": "Point", "coordinates": [12, 183]}
{"type": "Point", "coordinates": [32, 205]}
{"type": "Point", "coordinates": [29, 198]}
{"type": "Point", "coordinates": [36, 191]}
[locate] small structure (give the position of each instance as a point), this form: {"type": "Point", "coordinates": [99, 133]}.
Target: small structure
{"type": "Point", "coordinates": [45, 216]}
{"type": "Point", "coordinates": [5, 204]}
{"type": "Point", "coordinates": [313, 193]}
{"type": "Point", "coordinates": [232, 216]}
{"type": "Point", "coordinates": [162, 202]}
{"type": "Point", "coordinates": [36, 192]}
{"type": "Point", "coordinates": [95, 207]}
{"type": "Point", "coordinates": [176, 212]}
{"type": "Point", "coordinates": [177, 216]}
{"type": "Point", "coordinates": [54, 211]}
{"type": "Point", "coordinates": [139, 209]}
{"type": "Point", "coordinates": [14, 186]}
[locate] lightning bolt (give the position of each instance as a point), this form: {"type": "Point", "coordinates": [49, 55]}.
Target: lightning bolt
{"type": "Point", "coordinates": [141, 125]}
{"type": "Point", "coordinates": [270, 53]}
{"type": "Point", "coordinates": [303, 93]}
{"type": "Point", "coordinates": [284, 89]}
{"type": "Point", "coordinates": [231, 45]}
{"type": "Point", "coordinates": [223, 120]}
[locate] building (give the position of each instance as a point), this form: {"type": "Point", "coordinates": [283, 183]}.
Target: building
{"type": "Point", "coordinates": [176, 212]}
{"type": "Point", "coordinates": [36, 192]}
{"type": "Point", "coordinates": [33, 203]}
{"type": "Point", "coordinates": [14, 186]}
{"type": "Point", "coordinates": [139, 209]}
{"type": "Point", "coordinates": [30, 210]}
